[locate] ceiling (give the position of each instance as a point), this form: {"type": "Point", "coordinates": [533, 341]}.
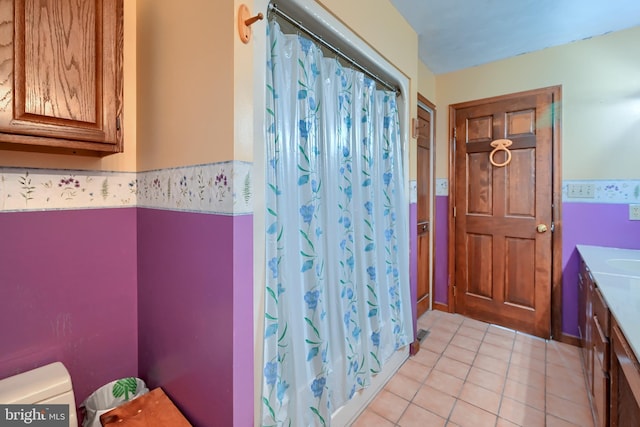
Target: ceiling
{"type": "Point", "coordinates": [457, 34]}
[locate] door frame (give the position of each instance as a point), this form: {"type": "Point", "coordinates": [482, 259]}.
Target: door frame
{"type": "Point", "coordinates": [556, 172]}
{"type": "Point", "coordinates": [430, 107]}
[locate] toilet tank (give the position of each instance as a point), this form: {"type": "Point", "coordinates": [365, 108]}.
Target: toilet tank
{"type": "Point", "coordinates": [47, 384]}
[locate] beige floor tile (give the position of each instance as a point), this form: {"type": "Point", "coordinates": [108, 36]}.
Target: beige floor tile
{"type": "Point", "coordinates": [436, 401]}
{"type": "Point", "coordinates": [506, 423]}
{"type": "Point", "coordinates": [480, 397]}
{"type": "Point", "coordinates": [531, 339]}
{"type": "Point", "coordinates": [467, 415]}
{"type": "Point", "coordinates": [495, 351]}
{"type": "Point", "coordinates": [499, 340]}
{"type": "Point", "coordinates": [389, 405]}
{"type": "Point", "coordinates": [572, 389]}
{"type": "Point", "coordinates": [452, 367]}
{"type": "Point", "coordinates": [460, 354]}
{"type": "Point", "coordinates": [370, 419]}
{"type": "Point", "coordinates": [569, 411]}
{"type": "Point", "coordinates": [533, 352]}
{"type": "Point", "coordinates": [444, 382]}
{"type": "Point", "coordinates": [565, 371]}
{"type": "Point", "coordinates": [416, 416]}
{"type": "Point", "coordinates": [403, 386]}
{"type": "Point", "coordinates": [527, 376]}
{"type": "Point", "coordinates": [499, 330]}
{"type": "Point", "coordinates": [466, 342]}
{"type": "Point", "coordinates": [553, 421]}
{"type": "Point", "coordinates": [426, 321]}
{"type": "Point", "coordinates": [441, 335]}
{"type": "Point", "coordinates": [476, 324]}
{"type": "Point", "coordinates": [434, 344]}
{"type": "Point", "coordinates": [527, 361]}
{"type": "Point", "coordinates": [414, 370]}
{"type": "Point", "coordinates": [521, 414]}
{"type": "Point", "coordinates": [491, 364]}
{"type": "Point", "coordinates": [455, 318]}
{"type": "Point", "coordinates": [563, 354]}
{"type": "Point", "coordinates": [526, 394]}
{"type": "Point", "coordinates": [448, 324]}
{"type": "Point", "coordinates": [469, 373]}
{"type": "Point", "coordinates": [426, 357]}
{"type": "Point", "coordinates": [471, 332]}
{"type": "Point", "coordinates": [486, 379]}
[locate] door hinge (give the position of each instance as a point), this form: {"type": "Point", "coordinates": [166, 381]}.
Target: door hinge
{"type": "Point", "coordinates": [454, 290]}
{"type": "Point", "coordinates": [454, 212]}
{"type": "Point", "coordinates": [118, 123]}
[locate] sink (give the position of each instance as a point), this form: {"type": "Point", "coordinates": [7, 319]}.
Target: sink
{"type": "Point", "coordinates": [630, 265]}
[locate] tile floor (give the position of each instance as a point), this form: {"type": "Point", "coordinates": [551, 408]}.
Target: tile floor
{"type": "Point", "coordinates": [472, 374]}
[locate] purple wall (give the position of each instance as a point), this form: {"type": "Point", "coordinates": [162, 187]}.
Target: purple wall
{"type": "Point", "coordinates": [193, 341]}
{"type": "Point", "coordinates": [590, 224]}
{"type": "Point", "coordinates": [243, 320]}
{"type": "Point", "coordinates": [441, 247]}
{"type": "Point", "coordinates": [61, 299]}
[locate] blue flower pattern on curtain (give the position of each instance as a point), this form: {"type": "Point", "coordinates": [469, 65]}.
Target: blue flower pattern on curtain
{"type": "Point", "coordinates": [337, 298]}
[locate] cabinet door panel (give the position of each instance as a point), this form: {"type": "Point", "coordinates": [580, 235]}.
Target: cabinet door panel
{"type": "Point", "coordinates": [625, 383]}
{"type": "Point", "coordinates": [600, 393]}
{"type": "Point", "coordinates": [61, 73]}
{"type": "Point", "coordinates": [601, 345]}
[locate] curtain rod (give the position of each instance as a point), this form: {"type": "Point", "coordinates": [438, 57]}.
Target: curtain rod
{"type": "Point", "coordinates": [274, 9]}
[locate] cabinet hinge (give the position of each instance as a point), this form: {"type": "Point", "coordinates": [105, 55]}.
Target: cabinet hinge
{"type": "Point", "coordinates": [553, 227]}
{"type": "Point", "coordinates": [118, 123]}
{"type": "Point", "coordinates": [454, 290]}
{"type": "Point", "coordinates": [454, 211]}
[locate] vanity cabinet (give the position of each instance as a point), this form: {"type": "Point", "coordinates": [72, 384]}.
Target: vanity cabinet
{"type": "Point", "coordinates": [625, 382]}
{"type": "Point", "coordinates": [585, 284]}
{"type": "Point", "coordinates": [600, 333]}
{"type": "Point", "coordinates": [594, 324]}
{"type": "Point", "coordinates": [61, 76]}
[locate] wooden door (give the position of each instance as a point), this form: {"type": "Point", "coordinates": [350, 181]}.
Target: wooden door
{"type": "Point", "coordinates": [503, 214]}
{"type": "Point", "coordinates": [423, 185]}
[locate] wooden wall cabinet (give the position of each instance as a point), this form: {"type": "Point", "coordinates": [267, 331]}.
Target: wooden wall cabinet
{"type": "Point", "coordinates": [625, 382]}
{"type": "Point", "coordinates": [61, 76]}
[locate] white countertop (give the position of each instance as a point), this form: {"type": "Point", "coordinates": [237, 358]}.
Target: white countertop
{"type": "Point", "coordinates": [620, 287]}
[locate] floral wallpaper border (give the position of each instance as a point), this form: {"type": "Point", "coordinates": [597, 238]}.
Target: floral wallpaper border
{"type": "Point", "coordinates": [221, 188]}
{"type": "Point", "coordinates": [620, 191]}
{"type": "Point", "coordinates": [442, 189]}
{"type": "Point", "coordinates": [224, 188]}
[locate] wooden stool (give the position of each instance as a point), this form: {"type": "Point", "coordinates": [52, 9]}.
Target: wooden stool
{"type": "Point", "coordinates": [153, 409]}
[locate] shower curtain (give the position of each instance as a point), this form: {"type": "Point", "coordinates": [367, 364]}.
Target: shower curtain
{"type": "Point", "coordinates": [337, 301]}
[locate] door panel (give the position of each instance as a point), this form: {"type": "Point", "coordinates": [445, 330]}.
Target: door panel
{"type": "Point", "coordinates": [480, 253]}
{"type": "Point", "coordinates": [423, 209]}
{"type": "Point", "coordinates": [502, 263]}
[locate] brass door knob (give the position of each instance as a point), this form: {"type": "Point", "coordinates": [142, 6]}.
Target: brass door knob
{"type": "Point", "coordinates": [541, 228]}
